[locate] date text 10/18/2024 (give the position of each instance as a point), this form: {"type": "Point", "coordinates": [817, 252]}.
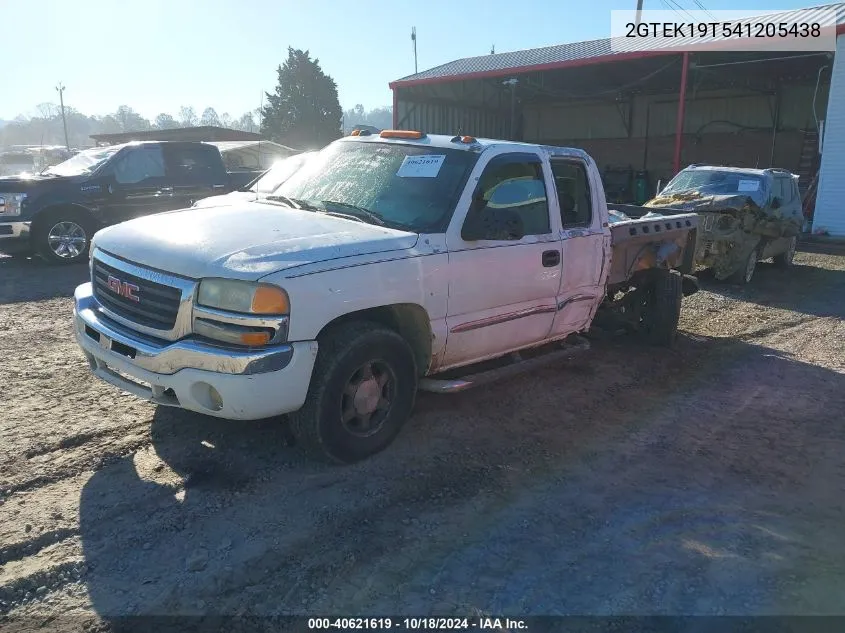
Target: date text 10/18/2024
{"type": "Point", "coordinates": [417, 624]}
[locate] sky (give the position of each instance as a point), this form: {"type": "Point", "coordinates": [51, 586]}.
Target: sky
{"type": "Point", "coordinates": [158, 55]}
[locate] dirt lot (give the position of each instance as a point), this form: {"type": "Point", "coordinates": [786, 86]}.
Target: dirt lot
{"type": "Point", "coordinates": [705, 480]}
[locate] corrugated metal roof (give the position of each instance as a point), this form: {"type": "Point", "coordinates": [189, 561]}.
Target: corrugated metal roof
{"type": "Point", "coordinates": [601, 48]}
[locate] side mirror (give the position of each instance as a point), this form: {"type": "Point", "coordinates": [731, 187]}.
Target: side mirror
{"type": "Point", "coordinates": [484, 223]}
{"type": "Point", "coordinates": [775, 203]}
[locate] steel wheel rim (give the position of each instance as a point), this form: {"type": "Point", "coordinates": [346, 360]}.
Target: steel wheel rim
{"type": "Point", "coordinates": [67, 239]}
{"type": "Point", "coordinates": [367, 399]}
{"type": "Point", "coordinates": [750, 266]}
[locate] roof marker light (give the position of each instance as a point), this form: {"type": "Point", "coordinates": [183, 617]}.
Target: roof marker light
{"type": "Point", "coordinates": [400, 134]}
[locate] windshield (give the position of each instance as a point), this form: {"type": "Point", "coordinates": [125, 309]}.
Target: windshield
{"type": "Point", "coordinates": [411, 187]}
{"type": "Point", "coordinates": [83, 163]}
{"type": "Point", "coordinates": [16, 159]}
{"type": "Point", "coordinates": [279, 173]}
{"type": "Point", "coordinates": [710, 181]}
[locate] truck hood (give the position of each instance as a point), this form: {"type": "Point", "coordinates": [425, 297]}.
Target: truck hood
{"type": "Point", "coordinates": [25, 184]}
{"type": "Point", "coordinates": [695, 202]}
{"type": "Point", "coordinates": [225, 200]}
{"type": "Point", "coordinates": [244, 241]}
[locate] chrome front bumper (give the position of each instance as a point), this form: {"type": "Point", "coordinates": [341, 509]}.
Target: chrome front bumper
{"type": "Point", "coordinates": [13, 232]}
{"type": "Point", "coordinates": [169, 358]}
{"type": "Point", "coordinates": [190, 374]}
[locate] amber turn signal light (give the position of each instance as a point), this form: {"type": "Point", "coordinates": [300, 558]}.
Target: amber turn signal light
{"type": "Point", "coordinates": [255, 339]}
{"type": "Point", "coordinates": [270, 300]}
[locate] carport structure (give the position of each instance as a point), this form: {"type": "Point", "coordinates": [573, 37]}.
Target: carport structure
{"type": "Point", "coordinates": [653, 109]}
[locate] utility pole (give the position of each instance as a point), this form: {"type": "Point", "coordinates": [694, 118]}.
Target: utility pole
{"type": "Point", "coordinates": [60, 89]}
{"type": "Point", "coordinates": [414, 40]}
{"type": "Point", "coordinates": [639, 10]}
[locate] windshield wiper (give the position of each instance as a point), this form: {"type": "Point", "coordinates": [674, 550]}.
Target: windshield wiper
{"type": "Point", "coordinates": [345, 216]}
{"type": "Point", "coordinates": [357, 212]}
{"type": "Point", "coordinates": [291, 202]}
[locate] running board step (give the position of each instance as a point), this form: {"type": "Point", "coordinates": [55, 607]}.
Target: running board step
{"type": "Point", "coordinates": [519, 366]}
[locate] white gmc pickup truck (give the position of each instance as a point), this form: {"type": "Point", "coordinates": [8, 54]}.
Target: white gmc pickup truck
{"type": "Point", "coordinates": [379, 268]}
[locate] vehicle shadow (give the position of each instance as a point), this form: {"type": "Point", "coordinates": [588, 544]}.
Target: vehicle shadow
{"type": "Point", "coordinates": [673, 483]}
{"type": "Point", "coordinates": [32, 279]}
{"type": "Point", "coordinates": [803, 288]}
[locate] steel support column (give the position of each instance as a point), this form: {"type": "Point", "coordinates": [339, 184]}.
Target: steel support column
{"type": "Point", "coordinates": [679, 125]}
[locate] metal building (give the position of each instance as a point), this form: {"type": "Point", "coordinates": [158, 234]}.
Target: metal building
{"type": "Point", "coordinates": [649, 112]}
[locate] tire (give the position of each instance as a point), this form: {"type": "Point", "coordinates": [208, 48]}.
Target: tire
{"type": "Point", "coordinates": [63, 236]}
{"type": "Point", "coordinates": [784, 260]}
{"type": "Point", "coordinates": [343, 397]}
{"type": "Point", "coordinates": [745, 274]}
{"type": "Point", "coordinates": [663, 309]}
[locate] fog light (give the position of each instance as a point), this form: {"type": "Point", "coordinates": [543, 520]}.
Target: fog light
{"type": "Point", "coordinates": [216, 398]}
{"type": "Point", "coordinates": [207, 396]}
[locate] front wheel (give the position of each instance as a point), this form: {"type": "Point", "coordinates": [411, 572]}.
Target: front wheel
{"type": "Point", "coordinates": [744, 275]}
{"type": "Point", "coordinates": [63, 237]}
{"type": "Point", "coordinates": [784, 260]}
{"type": "Point", "coordinates": [362, 391]}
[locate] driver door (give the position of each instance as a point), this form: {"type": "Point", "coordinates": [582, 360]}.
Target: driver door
{"type": "Point", "coordinates": [138, 185]}
{"type": "Point", "coordinates": [502, 288]}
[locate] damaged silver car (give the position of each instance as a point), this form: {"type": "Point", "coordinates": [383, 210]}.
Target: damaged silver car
{"type": "Point", "coordinates": [747, 215]}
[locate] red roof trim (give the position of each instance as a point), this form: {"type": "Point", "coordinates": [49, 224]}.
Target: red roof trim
{"type": "Point", "coordinates": [572, 63]}
{"type": "Point", "coordinates": [505, 72]}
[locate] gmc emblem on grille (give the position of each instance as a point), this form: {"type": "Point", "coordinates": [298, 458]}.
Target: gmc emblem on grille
{"type": "Point", "coordinates": [123, 288]}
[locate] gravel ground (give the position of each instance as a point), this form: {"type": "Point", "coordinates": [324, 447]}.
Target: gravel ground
{"type": "Point", "coordinates": [704, 480]}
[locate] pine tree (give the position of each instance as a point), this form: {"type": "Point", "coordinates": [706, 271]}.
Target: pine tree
{"type": "Point", "coordinates": [304, 111]}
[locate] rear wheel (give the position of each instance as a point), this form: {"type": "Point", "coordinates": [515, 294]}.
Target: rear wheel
{"type": "Point", "coordinates": [361, 394]}
{"type": "Point", "coordinates": [663, 308]}
{"type": "Point", "coordinates": [63, 236]}
{"type": "Point", "coordinates": [784, 260]}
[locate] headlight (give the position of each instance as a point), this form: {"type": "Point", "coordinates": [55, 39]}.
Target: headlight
{"type": "Point", "coordinates": [11, 203]}
{"type": "Point", "coordinates": [243, 296]}
{"type": "Point", "coordinates": [725, 223]}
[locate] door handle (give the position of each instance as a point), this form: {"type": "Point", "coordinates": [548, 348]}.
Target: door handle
{"type": "Point", "coordinates": [166, 190]}
{"type": "Point", "coordinates": [551, 258]}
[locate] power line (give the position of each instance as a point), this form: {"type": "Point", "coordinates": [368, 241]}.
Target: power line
{"type": "Point", "coordinates": [703, 8]}
{"type": "Point", "coordinates": [675, 7]}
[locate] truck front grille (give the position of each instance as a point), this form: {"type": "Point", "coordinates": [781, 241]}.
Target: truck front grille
{"type": "Point", "coordinates": [157, 305]}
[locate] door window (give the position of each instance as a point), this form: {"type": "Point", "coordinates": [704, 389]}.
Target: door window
{"type": "Point", "coordinates": [192, 164]}
{"type": "Point", "coordinates": [138, 165]}
{"type": "Point", "coordinates": [514, 182]}
{"type": "Point", "coordinates": [573, 193]}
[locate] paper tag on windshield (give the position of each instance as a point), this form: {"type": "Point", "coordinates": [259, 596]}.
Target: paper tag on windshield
{"type": "Point", "coordinates": [748, 185]}
{"type": "Point", "coordinates": [424, 166]}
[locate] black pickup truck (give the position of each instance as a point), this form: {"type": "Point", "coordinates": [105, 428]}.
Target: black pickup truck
{"type": "Point", "coordinates": [55, 213]}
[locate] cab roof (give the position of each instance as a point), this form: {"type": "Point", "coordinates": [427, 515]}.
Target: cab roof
{"type": "Point", "coordinates": [477, 145]}
{"type": "Point", "coordinates": [739, 170]}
